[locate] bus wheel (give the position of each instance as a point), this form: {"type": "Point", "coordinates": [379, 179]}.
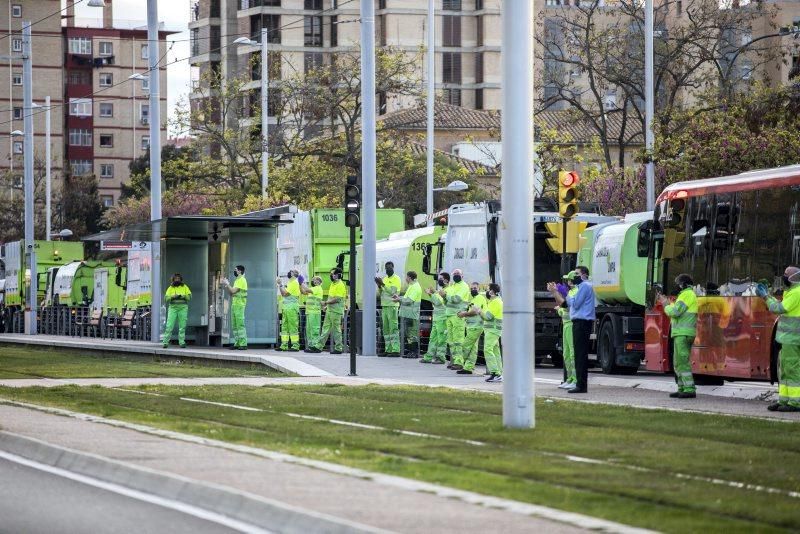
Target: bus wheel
{"type": "Point", "coordinates": [606, 351]}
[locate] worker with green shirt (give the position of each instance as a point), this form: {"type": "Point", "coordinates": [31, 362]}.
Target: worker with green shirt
{"type": "Point", "coordinates": [683, 325]}
{"type": "Point", "coordinates": [388, 287]}
{"type": "Point", "coordinates": [567, 346]}
{"type": "Point", "coordinates": [437, 341]}
{"type": "Point", "coordinates": [474, 323]}
{"type": "Point", "coordinates": [290, 314]}
{"type": "Point", "coordinates": [313, 296]}
{"type": "Point", "coordinates": [492, 316]}
{"type": "Point", "coordinates": [409, 314]}
{"type": "Point", "coordinates": [238, 293]}
{"type": "Point", "coordinates": [788, 335]}
{"type": "Point", "coordinates": [456, 297]}
{"type": "Point", "coordinates": [177, 298]}
{"type": "Point", "coordinates": [334, 312]}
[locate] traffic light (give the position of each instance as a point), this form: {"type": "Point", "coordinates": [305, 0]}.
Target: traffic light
{"type": "Point", "coordinates": [352, 203]}
{"type": "Point", "coordinates": [568, 194]}
{"type": "Point", "coordinates": [556, 239]}
{"type": "Point", "coordinates": [674, 226]}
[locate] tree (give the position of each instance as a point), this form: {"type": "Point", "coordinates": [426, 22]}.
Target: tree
{"type": "Point", "coordinates": [173, 203]}
{"type": "Point", "coordinates": [179, 165]}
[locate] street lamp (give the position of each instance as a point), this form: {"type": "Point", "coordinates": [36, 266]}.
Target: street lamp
{"type": "Point", "coordinates": [47, 156]}
{"type": "Point", "coordinates": [455, 186]}
{"type": "Point", "coordinates": [264, 105]}
{"type": "Point", "coordinates": [96, 3]}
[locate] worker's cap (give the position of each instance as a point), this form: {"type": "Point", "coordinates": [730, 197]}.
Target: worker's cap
{"type": "Point", "coordinates": [570, 275]}
{"type": "Point", "coordinates": [792, 273]}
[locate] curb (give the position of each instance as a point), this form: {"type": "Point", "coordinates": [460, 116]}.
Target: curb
{"type": "Point", "coordinates": [257, 511]}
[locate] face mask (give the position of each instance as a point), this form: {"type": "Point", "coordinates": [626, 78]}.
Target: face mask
{"type": "Point", "coordinates": [473, 292]}
{"type": "Point", "coordinates": [289, 275]}
{"type": "Point", "coordinates": [489, 295]}
{"type": "Point", "coordinates": [786, 281]}
{"type": "Point", "coordinates": [577, 280]}
{"type": "Point", "coordinates": [441, 282]}
{"type": "Point", "coordinates": [334, 277]}
{"type": "Point", "coordinates": [314, 283]}
{"type": "Point", "coordinates": [176, 283]}
{"type": "Point", "coordinates": [236, 274]}
{"type": "Point", "coordinates": [389, 271]}
{"type": "Point", "coordinates": [456, 278]}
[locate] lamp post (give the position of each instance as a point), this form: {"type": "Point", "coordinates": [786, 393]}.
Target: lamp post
{"type": "Point", "coordinates": [155, 160]}
{"type": "Point", "coordinates": [27, 109]}
{"type": "Point", "coordinates": [649, 105]}
{"type": "Point", "coordinates": [48, 177]}
{"type": "Point", "coordinates": [264, 105]}
{"type": "Point", "coordinates": [431, 57]}
{"type": "Point", "coordinates": [455, 186]}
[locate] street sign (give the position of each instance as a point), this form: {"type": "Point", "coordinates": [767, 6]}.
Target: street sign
{"type": "Point", "coordinates": [124, 245]}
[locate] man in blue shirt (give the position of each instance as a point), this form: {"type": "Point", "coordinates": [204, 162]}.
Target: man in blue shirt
{"type": "Point", "coordinates": [581, 311]}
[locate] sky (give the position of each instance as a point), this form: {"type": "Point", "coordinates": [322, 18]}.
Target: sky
{"type": "Point", "coordinates": [175, 15]}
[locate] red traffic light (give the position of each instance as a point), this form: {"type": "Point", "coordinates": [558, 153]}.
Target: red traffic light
{"type": "Point", "coordinates": [570, 179]}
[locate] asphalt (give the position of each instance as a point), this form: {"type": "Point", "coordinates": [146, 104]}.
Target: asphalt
{"type": "Point", "coordinates": [34, 501]}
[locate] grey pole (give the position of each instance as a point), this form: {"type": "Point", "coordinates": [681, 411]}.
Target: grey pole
{"type": "Point", "coordinates": [431, 56]}
{"type": "Point", "coordinates": [649, 103]}
{"type": "Point", "coordinates": [155, 161]}
{"type": "Point", "coordinates": [27, 95]}
{"type": "Point", "coordinates": [47, 166]}
{"type": "Point", "coordinates": [368, 171]}
{"type": "Point", "coordinates": [516, 226]}
{"type": "Point", "coordinates": [264, 114]}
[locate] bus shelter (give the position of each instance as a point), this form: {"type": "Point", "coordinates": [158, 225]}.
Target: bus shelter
{"type": "Point", "coordinates": [205, 249]}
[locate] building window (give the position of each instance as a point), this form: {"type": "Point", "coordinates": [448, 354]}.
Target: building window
{"type": "Point", "coordinates": [144, 114]}
{"type": "Point", "coordinates": [106, 48]}
{"type": "Point", "coordinates": [453, 96]}
{"type": "Point", "coordinates": [145, 142]}
{"type": "Point", "coordinates": [194, 42]}
{"type": "Point", "coordinates": [16, 45]}
{"type": "Point", "coordinates": [80, 107]}
{"type": "Point", "coordinates": [451, 67]}
{"type": "Point", "coordinates": [312, 61]}
{"type": "Point", "coordinates": [79, 77]}
{"type": "Point", "coordinates": [16, 78]}
{"type": "Point", "coordinates": [312, 31]}
{"type": "Point", "coordinates": [80, 167]}
{"type": "Point", "coordinates": [106, 170]}
{"type": "Point", "coordinates": [215, 40]}
{"type": "Point", "coordinates": [80, 137]}
{"type": "Point", "coordinates": [334, 31]}
{"type": "Point", "coordinates": [106, 79]}
{"type": "Point", "coordinates": [106, 141]}
{"type": "Point", "coordinates": [106, 109]}
{"type": "Point", "coordinates": [478, 98]}
{"type": "Point", "coordinates": [146, 84]}
{"type": "Point", "coordinates": [451, 31]}
{"type": "Point", "coordinates": [315, 5]}
{"type": "Point", "coordinates": [107, 200]}
{"type": "Point", "coordinates": [479, 67]}
{"type": "Point", "coordinates": [479, 37]}
{"type": "Point", "coordinates": [18, 114]}
{"type": "Point", "coordinates": [80, 45]}
{"type": "Point", "coordinates": [478, 5]}
{"type": "Point", "coordinates": [16, 11]}
{"type": "Point", "coordinates": [144, 51]}
{"type": "Point", "coordinates": [451, 5]}
{"type": "Point", "coordinates": [18, 147]}
{"type": "Point", "coordinates": [381, 4]}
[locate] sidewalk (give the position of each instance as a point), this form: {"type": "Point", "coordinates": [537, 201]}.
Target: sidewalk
{"type": "Point", "coordinates": [378, 501]}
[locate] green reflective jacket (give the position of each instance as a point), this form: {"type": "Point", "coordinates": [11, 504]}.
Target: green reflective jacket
{"type": "Point", "coordinates": [789, 311]}
{"type": "Point", "coordinates": [683, 314]}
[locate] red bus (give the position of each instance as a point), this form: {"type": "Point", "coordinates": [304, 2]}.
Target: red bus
{"type": "Point", "coordinates": [729, 234]}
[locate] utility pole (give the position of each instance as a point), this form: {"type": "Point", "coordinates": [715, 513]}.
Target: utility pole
{"type": "Point", "coordinates": [431, 57]}
{"type": "Point", "coordinates": [516, 226]}
{"type": "Point", "coordinates": [47, 166]}
{"type": "Point", "coordinates": [264, 113]}
{"type": "Point", "coordinates": [368, 172]}
{"type": "Point", "coordinates": [155, 161]}
{"type": "Point", "coordinates": [649, 105]}
{"type": "Point", "coordinates": [27, 109]}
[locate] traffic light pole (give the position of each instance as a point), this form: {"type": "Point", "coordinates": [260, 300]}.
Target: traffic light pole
{"type": "Point", "coordinates": [353, 330]}
{"type": "Point", "coordinates": [564, 257]}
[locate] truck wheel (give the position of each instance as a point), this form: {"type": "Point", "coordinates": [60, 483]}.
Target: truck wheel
{"type": "Point", "coordinates": [606, 351]}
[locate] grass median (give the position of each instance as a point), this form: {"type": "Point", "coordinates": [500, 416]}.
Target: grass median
{"type": "Point", "coordinates": [52, 362]}
{"type": "Point", "coordinates": [667, 471]}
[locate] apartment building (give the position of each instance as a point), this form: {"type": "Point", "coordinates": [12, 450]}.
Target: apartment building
{"type": "Point", "coordinates": [99, 118]}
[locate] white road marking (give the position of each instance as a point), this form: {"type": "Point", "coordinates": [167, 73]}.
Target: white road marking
{"type": "Point", "coordinates": [183, 508]}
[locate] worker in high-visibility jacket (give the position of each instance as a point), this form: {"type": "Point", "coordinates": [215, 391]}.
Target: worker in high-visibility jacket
{"type": "Point", "coordinates": [177, 298]}
{"type": "Point", "coordinates": [290, 314]}
{"type": "Point", "coordinates": [492, 316]}
{"type": "Point", "coordinates": [567, 345]}
{"type": "Point", "coordinates": [683, 325]}
{"type": "Point", "coordinates": [788, 335]}
{"type": "Point", "coordinates": [238, 293]}
{"type": "Point", "coordinates": [313, 296]}
{"type": "Point", "coordinates": [334, 307]}
{"type": "Point", "coordinates": [437, 342]}
{"type": "Point", "coordinates": [409, 314]}
{"type": "Point", "coordinates": [474, 323]}
{"type": "Point", "coordinates": [456, 299]}
{"type": "Point", "coordinates": [389, 286]}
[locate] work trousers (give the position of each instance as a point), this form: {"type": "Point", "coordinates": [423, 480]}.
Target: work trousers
{"type": "Point", "coordinates": [313, 326]}
{"type": "Point", "coordinates": [789, 375]}
{"type": "Point", "coordinates": [411, 327]}
{"type": "Point", "coordinates": [391, 335]}
{"type": "Point", "coordinates": [331, 327]}
{"type": "Point", "coordinates": [437, 342]}
{"type": "Point", "coordinates": [290, 327]}
{"type": "Point", "coordinates": [681, 362]}
{"type": "Point", "coordinates": [176, 313]}
{"type": "Point", "coordinates": [491, 352]}
{"type": "Point", "coordinates": [568, 352]}
{"type": "Point", "coordinates": [237, 325]}
{"type": "Point", "coordinates": [471, 342]}
{"type": "Point", "coordinates": [455, 339]}
{"type": "Point", "coordinates": [581, 339]}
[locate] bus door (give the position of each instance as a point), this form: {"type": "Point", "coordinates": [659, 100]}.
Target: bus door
{"type": "Point", "coordinates": [656, 334]}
